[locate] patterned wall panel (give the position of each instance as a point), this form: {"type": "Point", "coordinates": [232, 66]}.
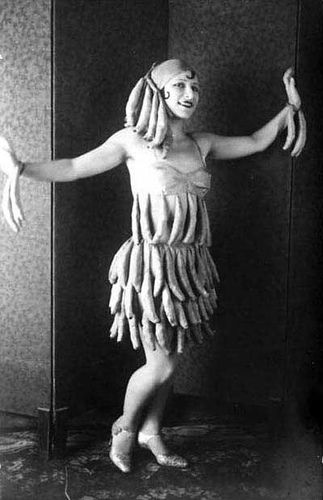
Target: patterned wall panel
{"type": "Point", "coordinates": [240, 50]}
{"type": "Point", "coordinates": [25, 258]}
{"type": "Point", "coordinates": [102, 48]}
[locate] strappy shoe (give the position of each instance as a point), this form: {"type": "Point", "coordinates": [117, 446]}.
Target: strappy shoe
{"type": "Point", "coordinates": [121, 445]}
{"type": "Point", "coordinates": [153, 442]}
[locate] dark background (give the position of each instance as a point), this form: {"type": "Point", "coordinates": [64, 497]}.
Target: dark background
{"type": "Point", "coordinates": [265, 211]}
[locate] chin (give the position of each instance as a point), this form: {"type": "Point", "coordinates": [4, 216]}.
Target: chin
{"type": "Point", "coordinates": [183, 114]}
{"type": "Point", "coordinates": [186, 116]}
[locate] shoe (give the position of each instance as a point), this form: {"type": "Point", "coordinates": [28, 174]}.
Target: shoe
{"type": "Point", "coordinates": [154, 443]}
{"type": "Point", "coordinates": [121, 446]}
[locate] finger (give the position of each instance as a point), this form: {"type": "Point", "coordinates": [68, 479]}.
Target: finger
{"type": "Point", "coordinates": [287, 75]}
{"type": "Point", "coordinates": [292, 94]}
{"type": "Point", "coordinates": [6, 207]}
{"type": "Point", "coordinates": [288, 92]}
{"type": "Point", "coordinates": [4, 144]}
{"type": "Point", "coordinates": [304, 131]}
{"type": "Point", "coordinates": [301, 139]}
{"type": "Point", "coordinates": [15, 209]}
{"type": "Point", "coordinates": [290, 130]}
{"type": "Point", "coordinates": [289, 72]}
{"type": "Point", "coordinates": [8, 162]}
{"type": "Point", "coordinates": [292, 89]}
{"type": "Point", "coordinates": [6, 148]}
{"type": "Point", "coordinates": [15, 200]}
{"type": "Point", "coordinates": [294, 98]}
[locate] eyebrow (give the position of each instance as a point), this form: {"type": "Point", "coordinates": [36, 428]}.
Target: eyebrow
{"type": "Point", "coordinates": [187, 79]}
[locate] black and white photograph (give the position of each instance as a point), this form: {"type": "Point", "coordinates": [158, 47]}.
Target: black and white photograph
{"type": "Point", "coordinates": [161, 249]}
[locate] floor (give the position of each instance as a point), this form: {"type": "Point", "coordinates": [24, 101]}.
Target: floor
{"type": "Point", "coordinates": [232, 457]}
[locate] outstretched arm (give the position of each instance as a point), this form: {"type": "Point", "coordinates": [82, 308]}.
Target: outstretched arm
{"type": "Point", "coordinates": [105, 157]}
{"type": "Point", "coordinates": [225, 148]}
{"type": "Point", "coordinates": [237, 147]}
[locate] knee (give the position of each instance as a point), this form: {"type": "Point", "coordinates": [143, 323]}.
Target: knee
{"type": "Point", "coordinates": [163, 371]}
{"type": "Point", "coordinates": [168, 370]}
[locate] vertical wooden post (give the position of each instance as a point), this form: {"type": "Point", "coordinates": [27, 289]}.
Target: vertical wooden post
{"type": "Point", "coordinates": [52, 431]}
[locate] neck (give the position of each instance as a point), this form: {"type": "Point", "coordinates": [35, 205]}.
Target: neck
{"type": "Point", "coordinates": [177, 129]}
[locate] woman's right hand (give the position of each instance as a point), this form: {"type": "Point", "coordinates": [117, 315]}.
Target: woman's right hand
{"type": "Point", "coordinates": [11, 167]}
{"type": "Point", "coordinates": [9, 162]}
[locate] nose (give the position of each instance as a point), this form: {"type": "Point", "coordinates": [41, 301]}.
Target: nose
{"type": "Point", "coordinates": [189, 94]}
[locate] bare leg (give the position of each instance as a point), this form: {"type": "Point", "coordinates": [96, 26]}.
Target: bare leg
{"type": "Point", "coordinates": [150, 436]}
{"type": "Point", "coordinates": [148, 388]}
{"type": "Point", "coordinates": [152, 422]}
{"type": "Point", "coordinates": [151, 380]}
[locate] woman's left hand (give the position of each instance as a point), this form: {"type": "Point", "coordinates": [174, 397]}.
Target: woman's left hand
{"type": "Point", "coordinates": [11, 205]}
{"type": "Point", "coordinates": [293, 96]}
{"type": "Point", "coordinates": [294, 102]}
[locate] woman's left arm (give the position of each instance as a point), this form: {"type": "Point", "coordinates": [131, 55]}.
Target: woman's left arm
{"type": "Point", "coordinates": [224, 148]}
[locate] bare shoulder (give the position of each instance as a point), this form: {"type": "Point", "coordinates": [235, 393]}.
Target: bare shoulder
{"type": "Point", "coordinates": [126, 138]}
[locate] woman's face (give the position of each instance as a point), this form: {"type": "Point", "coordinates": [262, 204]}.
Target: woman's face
{"type": "Point", "coordinates": [182, 94]}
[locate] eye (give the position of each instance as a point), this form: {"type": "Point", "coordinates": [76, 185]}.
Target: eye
{"type": "Point", "coordinates": [180, 85]}
{"type": "Point", "coordinates": [195, 89]}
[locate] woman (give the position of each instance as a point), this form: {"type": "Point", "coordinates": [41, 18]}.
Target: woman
{"type": "Point", "coordinates": [163, 278]}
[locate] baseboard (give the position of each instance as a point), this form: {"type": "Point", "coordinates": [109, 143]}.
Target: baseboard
{"type": "Point", "coordinates": [12, 421]}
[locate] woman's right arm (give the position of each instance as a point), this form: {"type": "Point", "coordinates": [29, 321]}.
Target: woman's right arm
{"type": "Point", "coordinates": [105, 157]}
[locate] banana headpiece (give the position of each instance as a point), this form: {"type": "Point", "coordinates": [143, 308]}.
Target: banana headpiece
{"type": "Point", "coordinates": [146, 109]}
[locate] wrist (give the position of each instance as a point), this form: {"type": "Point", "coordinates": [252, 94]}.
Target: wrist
{"type": "Point", "coordinates": [293, 107]}
{"type": "Point", "coordinates": [21, 166]}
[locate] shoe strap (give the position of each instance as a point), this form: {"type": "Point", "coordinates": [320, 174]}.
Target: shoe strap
{"type": "Point", "coordinates": [117, 429]}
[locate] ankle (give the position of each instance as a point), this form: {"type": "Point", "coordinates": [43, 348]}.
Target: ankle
{"type": "Point", "coordinates": [150, 430]}
{"type": "Point", "coordinates": [124, 424]}
{"type": "Point", "coordinates": [144, 437]}
{"type": "Point", "coordinates": [148, 433]}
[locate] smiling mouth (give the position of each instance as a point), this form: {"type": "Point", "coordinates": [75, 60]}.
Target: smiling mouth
{"type": "Point", "coordinates": [187, 105]}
